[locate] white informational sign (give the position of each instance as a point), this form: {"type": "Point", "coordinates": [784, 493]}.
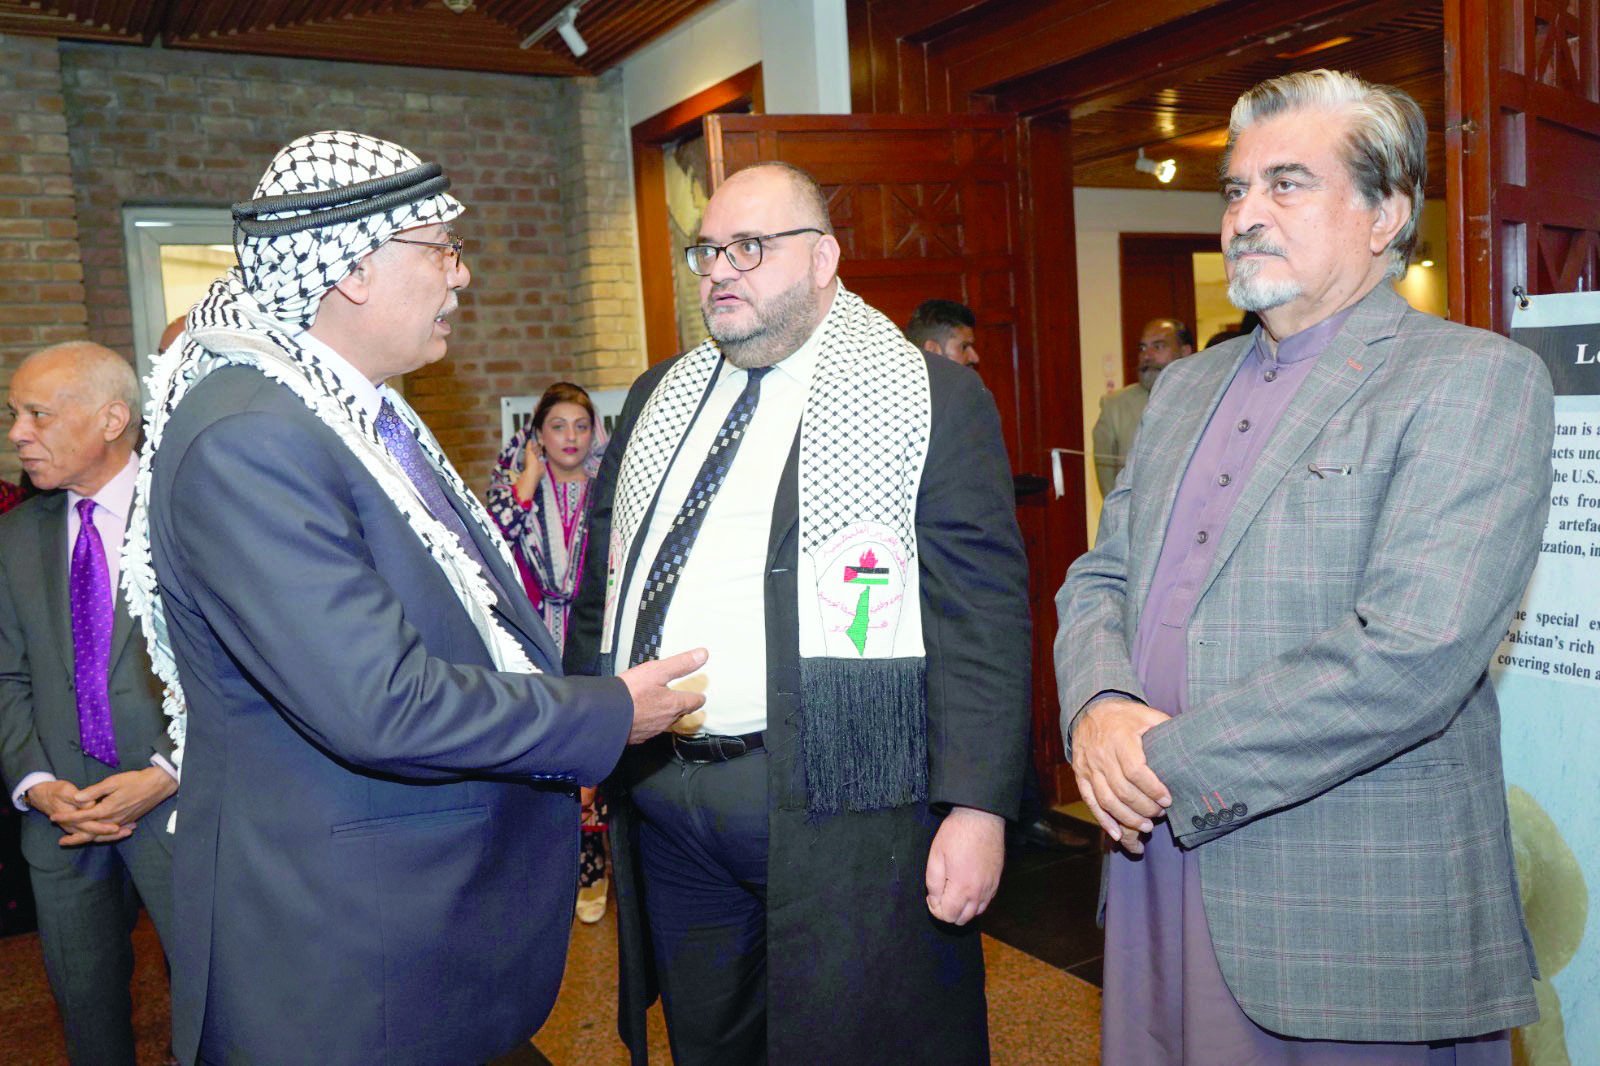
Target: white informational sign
{"type": "Point", "coordinates": [516, 409]}
{"type": "Point", "coordinates": [1547, 675]}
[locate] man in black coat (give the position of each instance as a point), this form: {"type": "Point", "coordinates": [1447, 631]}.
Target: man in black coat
{"type": "Point", "coordinates": [830, 512]}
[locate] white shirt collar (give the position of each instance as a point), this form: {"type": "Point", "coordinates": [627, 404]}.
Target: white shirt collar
{"type": "Point", "coordinates": [353, 380]}
{"type": "Point", "coordinates": [115, 495]}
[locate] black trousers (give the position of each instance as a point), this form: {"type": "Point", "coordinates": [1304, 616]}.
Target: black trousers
{"type": "Point", "coordinates": [703, 851]}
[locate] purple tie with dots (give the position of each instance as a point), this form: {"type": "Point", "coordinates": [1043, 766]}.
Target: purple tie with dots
{"type": "Point", "coordinates": [92, 620]}
{"type": "Point", "coordinates": [402, 445]}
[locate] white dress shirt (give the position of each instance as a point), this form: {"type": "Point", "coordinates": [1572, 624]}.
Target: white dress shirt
{"type": "Point", "coordinates": [720, 599]}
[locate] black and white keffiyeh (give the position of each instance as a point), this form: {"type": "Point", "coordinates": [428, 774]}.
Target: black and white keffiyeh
{"type": "Point", "coordinates": [288, 275]}
{"type": "Point", "coordinates": [864, 437]}
{"type": "Point", "coordinates": [252, 316]}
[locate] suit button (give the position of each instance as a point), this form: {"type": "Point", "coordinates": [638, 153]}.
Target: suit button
{"type": "Point", "coordinates": [1212, 820]}
{"type": "Point", "coordinates": [1225, 815]}
{"type": "Point", "coordinates": [1240, 810]}
{"type": "Point", "coordinates": [1198, 822]}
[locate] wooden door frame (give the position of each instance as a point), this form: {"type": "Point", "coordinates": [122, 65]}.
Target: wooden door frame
{"type": "Point", "coordinates": [1187, 242]}
{"type": "Point", "coordinates": [1047, 61]}
{"type": "Point", "coordinates": [742, 90]}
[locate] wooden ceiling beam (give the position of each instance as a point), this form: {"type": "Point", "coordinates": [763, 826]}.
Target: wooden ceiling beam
{"type": "Point", "coordinates": [26, 20]}
{"type": "Point", "coordinates": [1014, 43]}
{"type": "Point", "coordinates": [1188, 51]}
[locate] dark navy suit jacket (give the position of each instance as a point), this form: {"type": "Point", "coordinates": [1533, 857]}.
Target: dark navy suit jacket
{"type": "Point", "coordinates": [377, 838]}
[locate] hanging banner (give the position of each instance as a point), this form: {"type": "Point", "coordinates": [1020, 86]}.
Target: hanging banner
{"type": "Point", "coordinates": [1547, 676]}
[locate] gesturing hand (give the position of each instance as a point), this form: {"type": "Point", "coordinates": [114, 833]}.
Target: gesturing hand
{"type": "Point", "coordinates": [655, 706]}
{"type": "Point", "coordinates": [532, 470]}
{"type": "Point", "coordinates": [1120, 789]}
{"type": "Point", "coordinates": [964, 864]}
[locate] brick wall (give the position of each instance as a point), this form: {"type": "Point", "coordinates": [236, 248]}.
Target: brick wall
{"type": "Point", "coordinates": [41, 275]}
{"type": "Point", "coordinates": [602, 283]}
{"type": "Point", "coordinates": [150, 126]}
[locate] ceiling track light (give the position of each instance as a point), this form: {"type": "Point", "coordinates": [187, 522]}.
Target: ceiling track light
{"type": "Point", "coordinates": [564, 23]}
{"type": "Point", "coordinates": [1164, 170]}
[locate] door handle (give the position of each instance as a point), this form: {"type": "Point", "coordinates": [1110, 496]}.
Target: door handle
{"type": "Point", "coordinates": [1057, 473]}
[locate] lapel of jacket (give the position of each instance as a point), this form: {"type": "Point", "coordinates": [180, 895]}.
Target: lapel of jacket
{"type": "Point", "coordinates": [1340, 371]}
{"type": "Point", "coordinates": [785, 506]}
{"type": "Point", "coordinates": [121, 630]}
{"type": "Point", "coordinates": [1196, 405]}
{"type": "Point", "coordinates": [50, 527]}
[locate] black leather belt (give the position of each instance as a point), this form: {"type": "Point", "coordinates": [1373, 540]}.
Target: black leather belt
{"type": "Point", "coordinates": [713, 748]}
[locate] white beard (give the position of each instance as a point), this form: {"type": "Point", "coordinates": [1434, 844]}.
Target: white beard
{"type": "Point", "coordinates": [1249, 292]}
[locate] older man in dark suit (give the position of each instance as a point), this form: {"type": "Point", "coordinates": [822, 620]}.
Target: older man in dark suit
{"type": "Point", "coordinates": [378, 843]}
{"type": "Point", "coordinates": [83, 746]}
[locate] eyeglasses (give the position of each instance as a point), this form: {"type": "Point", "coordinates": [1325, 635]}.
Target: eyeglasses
{"type": "Point", "coordinates": [743, 254]}
{"type": "Point", "coordinates": [453, 245]}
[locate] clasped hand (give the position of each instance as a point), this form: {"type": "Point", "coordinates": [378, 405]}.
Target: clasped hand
{"type": "Point", "coordinates": [103, 813]}
{"type": "Point", "coordinates": [1116, 783]}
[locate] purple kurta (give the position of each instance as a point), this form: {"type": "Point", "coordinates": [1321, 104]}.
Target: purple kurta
{"type": "Point", "coordinates": [1165, 998]}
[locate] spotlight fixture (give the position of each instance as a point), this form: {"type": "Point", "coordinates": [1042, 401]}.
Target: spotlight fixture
{"type": "Point", "coordinates": [564, 23]}
{"type": "Point", "coordinates": [1424, 255]}
{"type": "Point", "coordinates": [460, 7]}
{"type": "Point", "coordinates": [1164, 170]}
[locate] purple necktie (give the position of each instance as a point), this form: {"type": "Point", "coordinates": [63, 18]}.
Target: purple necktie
{"type": "Point", "coordinates": [402, 445]}
{"type": "Point", "coordinates": [90, 593]}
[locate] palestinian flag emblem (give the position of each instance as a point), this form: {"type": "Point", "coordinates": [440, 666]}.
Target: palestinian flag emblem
{"type": "Point", "coordinates": [864, 575]}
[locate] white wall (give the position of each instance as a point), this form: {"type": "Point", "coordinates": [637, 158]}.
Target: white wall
{"type": "Point", "coordinates": [802, 46]}
{"type": "Point", "coordinates": [805, 57]}
{"type": "Point", "coordinates": [1102, 215]}
{"type": "Point", "coordinates": [714, 45]}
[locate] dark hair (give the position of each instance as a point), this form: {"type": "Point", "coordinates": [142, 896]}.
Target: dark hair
{"type": "Point", "coordinates": [934, 319]}
{"type": "Point", "coordinates": [561, 392]}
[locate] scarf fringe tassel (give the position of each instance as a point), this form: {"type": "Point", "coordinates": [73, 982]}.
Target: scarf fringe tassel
{"type": "Point", "coordinates": [863, 733]}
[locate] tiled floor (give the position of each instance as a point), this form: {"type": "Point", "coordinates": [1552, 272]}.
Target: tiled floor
{"type": "Point", "coordinates": [1041, 936]}
{"type": "Point", "coordinates": [1046, 907]}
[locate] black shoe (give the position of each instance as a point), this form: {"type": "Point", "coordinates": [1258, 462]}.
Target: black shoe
{"type": "Point", "coordinates": [1049, 833]}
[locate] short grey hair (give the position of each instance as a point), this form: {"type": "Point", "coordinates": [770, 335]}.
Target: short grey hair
{"type": "Point", "coordinates": [1386, 148]}
{"type": "Point", "coordinates": [104, 374]}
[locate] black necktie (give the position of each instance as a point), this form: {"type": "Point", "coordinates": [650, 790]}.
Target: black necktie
{"type": "Point", "coordinates": [674, 552]}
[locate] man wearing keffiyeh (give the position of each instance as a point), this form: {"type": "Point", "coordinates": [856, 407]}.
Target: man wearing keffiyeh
{"type": "Point", "coordinates": [378, 837]}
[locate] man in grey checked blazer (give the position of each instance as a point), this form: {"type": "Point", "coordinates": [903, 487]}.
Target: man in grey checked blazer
{"type": "Point", "coordinates": [1305, 740]}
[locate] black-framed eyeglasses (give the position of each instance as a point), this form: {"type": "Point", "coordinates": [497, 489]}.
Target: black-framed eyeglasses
{"type": "Point", "coordinates": [454, 246]}
{"type": "Point", "coordinates": [743, 254]}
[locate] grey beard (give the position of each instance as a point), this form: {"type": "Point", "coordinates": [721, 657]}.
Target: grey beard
{"type": "Point", "coordinates": [782, 327]}
{"type": "Point", "coordinates": [1247, 292]}
{"type": "Point", "coordinates": [1147, 377]}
